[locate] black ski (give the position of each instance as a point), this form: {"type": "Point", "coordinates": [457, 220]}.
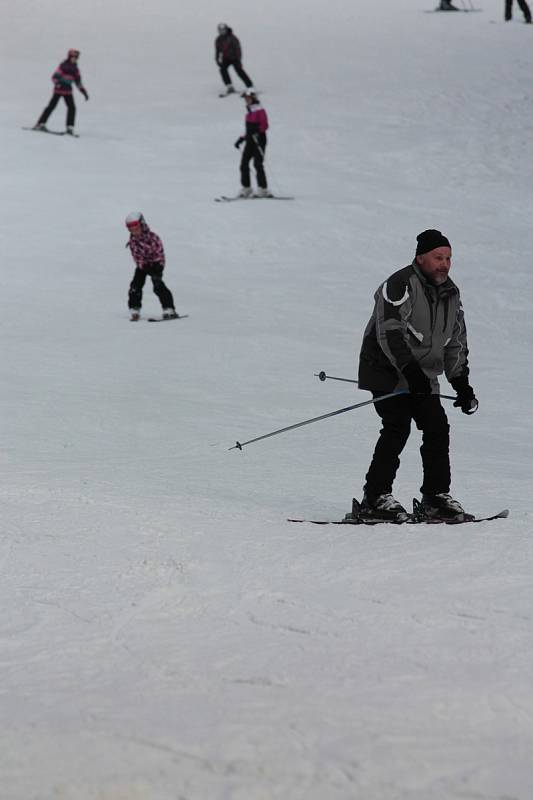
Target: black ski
{"type": "Point", "coordinates": [416, 518]}
{"type": "Point", "coordinates": [349, 520]}
{"type": "Point", "coordinates": [224, 199]}
{"type": "Point", "coordinates": [166, 319]}
{"type": "Point", "coordinates": [419, 516]}
{"type": "Point", "coordinates": [54, 133]}
{"type": "Point", "coordinates": [448, 11]}
{"type": "Point", "coordinates": [237, 93]}
{"type": "Point", "coordinates": [356, 517]}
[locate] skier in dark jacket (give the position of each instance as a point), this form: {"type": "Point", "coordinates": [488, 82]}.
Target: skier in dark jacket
{"type": "Point", "coordinates": [256, 122]}
{"type": "Point", "coordinates": [149, 256]}
{"type": "Point", "coordinates": [526, 11]}
{"type": "Point", "coordinates": [228, 54]}
{"type": "Point", "coordinates": [64, 77]}
{"type": "Point", "coordinates": [416, 332]}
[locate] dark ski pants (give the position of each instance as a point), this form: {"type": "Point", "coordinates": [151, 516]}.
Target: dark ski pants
{"type": "Point", "coordinates": [254, 149]}
{"type": "Point", "coordinates": [71, 108]}
{"type": "Point", "coordinates": [155, 272]}
{"type": "Point", "coordinates": [523, 7]}
{"type": "Point", "coordinates": [396, 414]}
{"type": "Point", "coordinates": [237, 66]}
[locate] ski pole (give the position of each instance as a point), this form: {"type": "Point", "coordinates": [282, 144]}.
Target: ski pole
{"type": "Point", "coordinates": [263, 156]}
{"type": "Point", "coordinates": [256, 142]}
{"type": "Point", "coordinates": [240, 445]}
{"type": "Point", "coordinates": [322, 375]}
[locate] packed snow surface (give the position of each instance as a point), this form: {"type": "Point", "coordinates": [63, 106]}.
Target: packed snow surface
{"type": "Point", "coordinates": [165, 633]}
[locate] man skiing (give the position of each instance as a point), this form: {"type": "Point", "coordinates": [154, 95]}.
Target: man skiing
{"type": "Point", "coordinates": [228, 54]}
{"type": "Point", "coordinates": [64, 77]}
{"type": "Point", "coordinates": [526, 11]}
{"type": "Point", "coordinates": [416, 332]}
{"type": "Point", "coordinates": [256, 121]}
{"type": "Point", "coordinates": [149, 256]}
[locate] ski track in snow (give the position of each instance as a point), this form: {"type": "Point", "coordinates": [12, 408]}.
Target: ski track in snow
{"type": "Point", "coordinates": [165, 633]}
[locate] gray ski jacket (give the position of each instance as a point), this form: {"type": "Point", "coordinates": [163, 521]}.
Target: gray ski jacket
{"type": "Point", "coordinates": [413, 320]}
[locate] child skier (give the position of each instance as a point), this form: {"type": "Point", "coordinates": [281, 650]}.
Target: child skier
{"type": "Point", "coordinates": [65, 75]}
{"type": "Point", "coordinates": [256, 122]}
{"type": "Point", "coordinates": [149, 256]}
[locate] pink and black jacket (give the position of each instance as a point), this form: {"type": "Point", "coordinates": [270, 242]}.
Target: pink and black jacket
{"type": "Point", "coordinates": [147, 249]}
{"type": "Point", "coordinates": [65, 76]}
{"type": "Point", "coordinates": [256, 121]}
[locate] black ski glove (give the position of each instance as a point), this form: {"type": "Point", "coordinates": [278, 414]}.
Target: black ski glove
{"type": "Point", "coordinates": [239, 141]}
{"type": "Point", "coordinates": [466, 399]}
{"type": "Point", "coordinates": [85, 93]}
{"type": "Point", "coordinates": [419, 383]}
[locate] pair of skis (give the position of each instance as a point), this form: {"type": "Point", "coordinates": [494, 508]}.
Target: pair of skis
{"type": "Point", "coordinates": [225, 199]}
{"type": "Point", "coordinates": [53, 133]}
{"type": "Point", "coordinates": [161, 319]}
{"type": "Point", "coordinates": [238, 93]}
{"type": "Point", "coordinates": [416, 518]}
{"type": "Point", "coordinates": [167, 319]}
{"type": "Point", "coordinates": [450, 10]}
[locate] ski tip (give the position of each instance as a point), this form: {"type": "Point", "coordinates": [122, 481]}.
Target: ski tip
{"type": "Point", "coordinates": [503, 514]}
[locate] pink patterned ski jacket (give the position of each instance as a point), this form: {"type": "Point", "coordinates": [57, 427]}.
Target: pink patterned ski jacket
{"type": "Point", "coordinates": [147, 249]}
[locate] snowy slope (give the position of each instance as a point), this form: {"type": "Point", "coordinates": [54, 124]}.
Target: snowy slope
{"type": "Point", "coordinates": [165, 633]}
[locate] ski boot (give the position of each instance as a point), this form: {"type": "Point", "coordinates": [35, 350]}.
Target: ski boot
{"type": "Point", "coordinates": [40, 126]}
{"type": "Point", "coordinates": [263, 193]}
{"type": "Point", "coordinates": [135, 314]}
{"type": "Point", "coordinates": [169, 313]}
{"type": "Point", "coordinates": [246, 191]}
{"type": "Point", "coordinates": [384, 508]}
{"type": "Point", "coordinates": [442, 506]}
{"type": "Point", "coordinates": [447, 6]}
{"type": "Point", "coordinates": [70, 130]}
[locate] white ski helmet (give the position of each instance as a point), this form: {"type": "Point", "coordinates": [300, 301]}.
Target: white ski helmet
{"type": "Point", "coordinates": [222, 27]}
{"type": "Point", "coordinates": [134, 219]}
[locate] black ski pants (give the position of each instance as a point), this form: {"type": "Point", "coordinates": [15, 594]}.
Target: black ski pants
{"type": "Point", "coordinates": [396, 414]}
{"type": "Point", "coordinates": [71, 108]}
{"type": "Point", "coordinates": [237, 66]}
{"type": "Point", "coordinates": [523, 7]}
{"type": "Point", "coordinates": [254, 149]}
{"type": "Point", "coordinates": [155, 271]}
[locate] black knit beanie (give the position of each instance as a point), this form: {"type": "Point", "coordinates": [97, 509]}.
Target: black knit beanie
{"type": "Point", "coordinates": [429, 240]}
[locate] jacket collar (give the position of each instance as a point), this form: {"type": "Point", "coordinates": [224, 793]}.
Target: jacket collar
{"type": "Point", "coordinates": [447, 288]}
